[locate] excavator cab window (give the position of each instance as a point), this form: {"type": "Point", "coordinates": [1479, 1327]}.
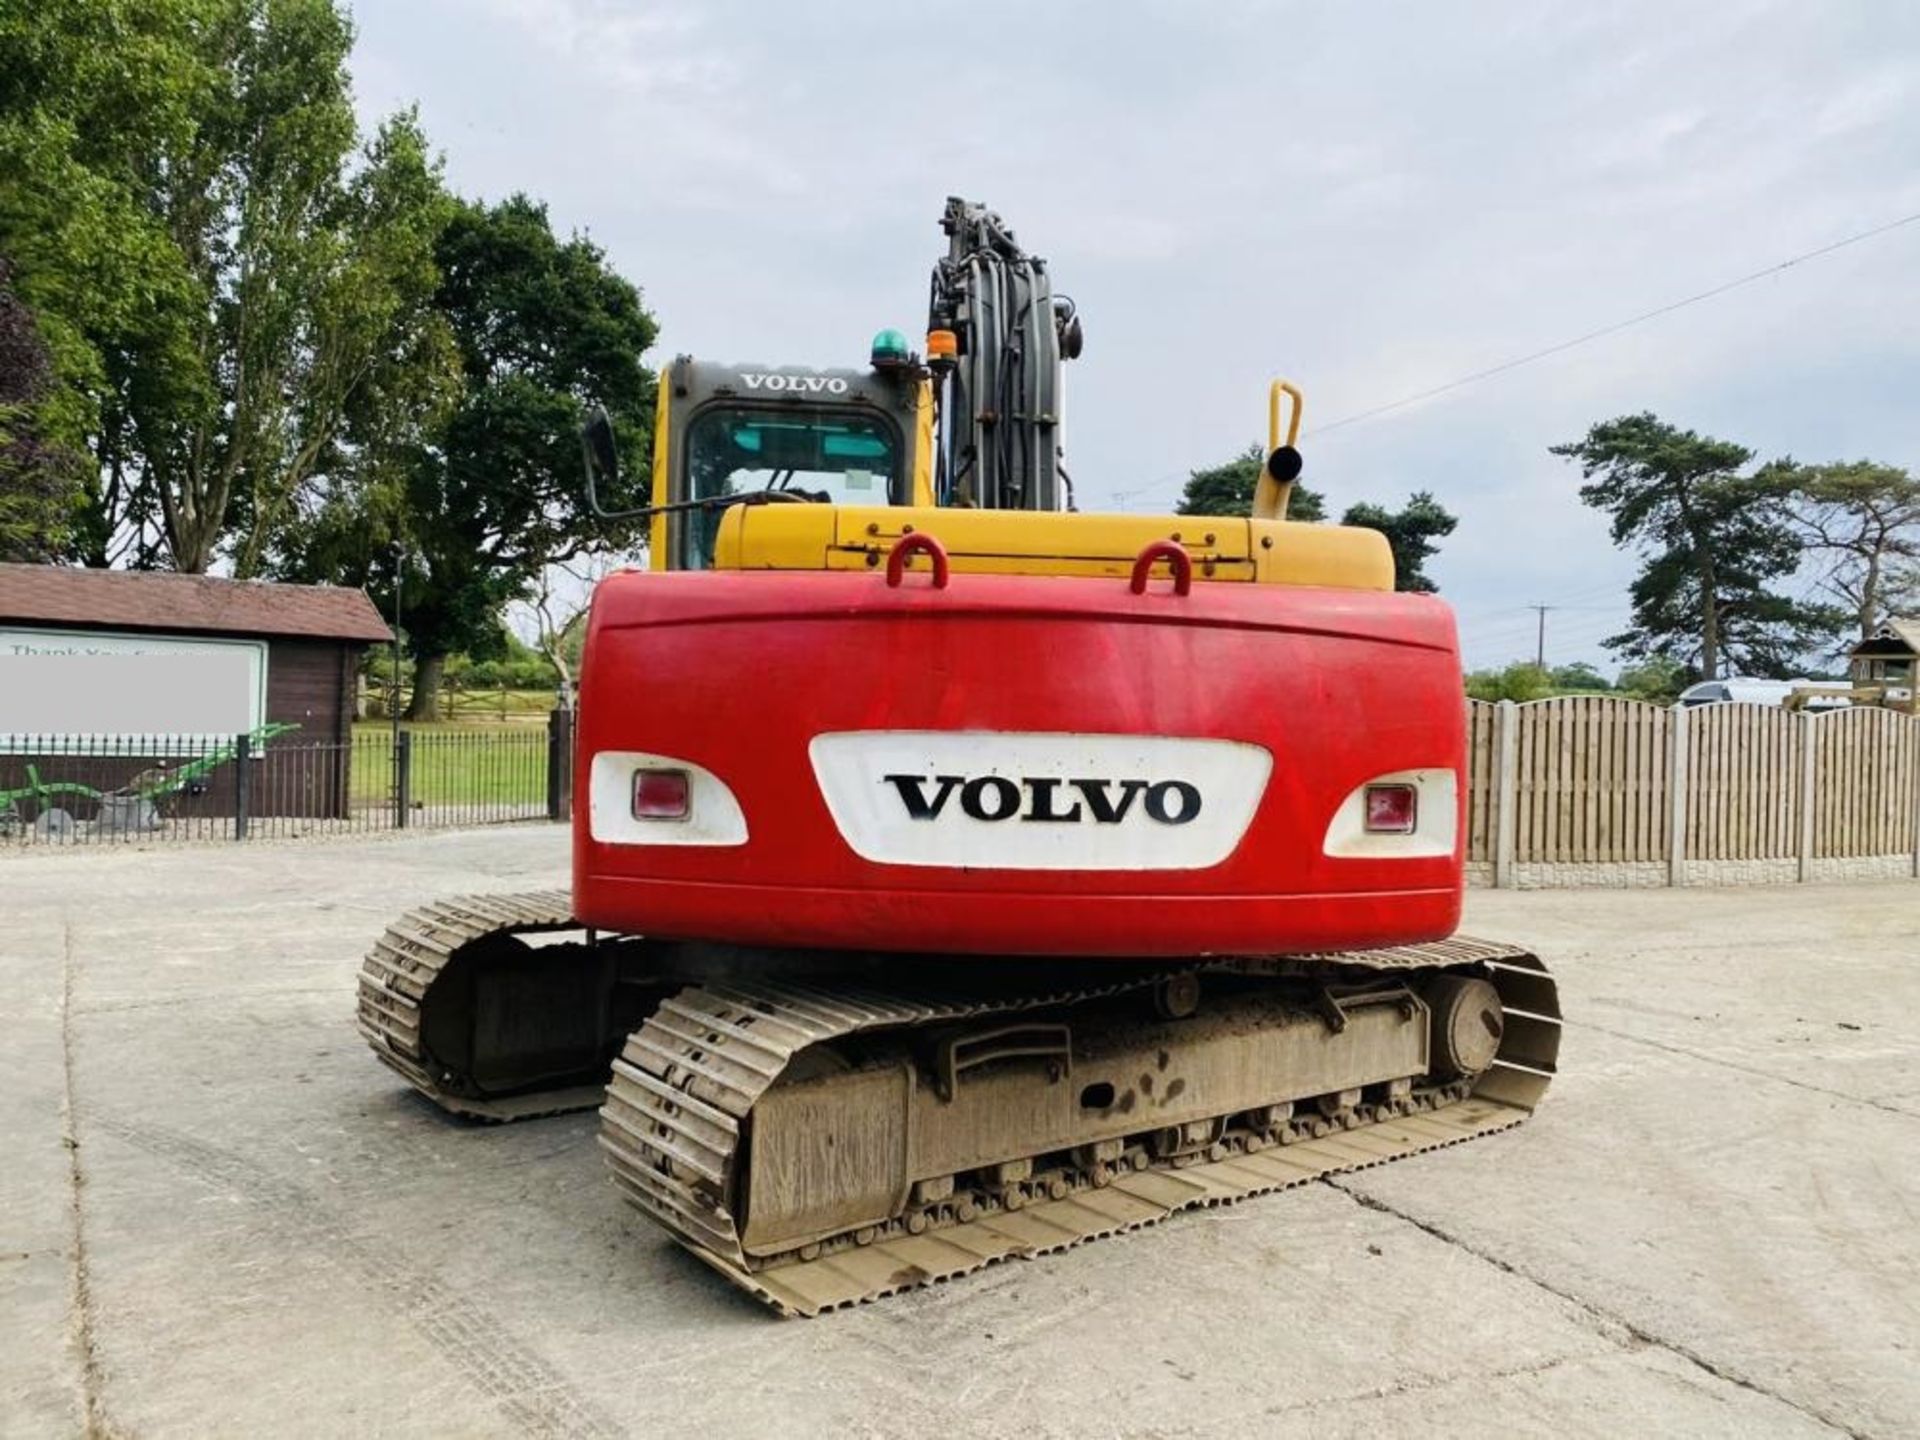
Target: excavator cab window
{"type": "Point", "coordinates": [836, 457]}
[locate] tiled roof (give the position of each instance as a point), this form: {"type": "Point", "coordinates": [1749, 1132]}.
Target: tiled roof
{"type": "Point", "coordinates": [160, 600]}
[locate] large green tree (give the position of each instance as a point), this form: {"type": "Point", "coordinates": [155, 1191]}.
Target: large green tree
{"type": "Point", "coordinates": [1715, 542]}
{"type": "Point", "coordinates": [486, 491]}
{"type": "Point", "coordinates": [40, 478]}
{"type": "Point", "coordinates": [95, 99]}
{"type": "Point", "coordinates": [373, 352]}
{"type": "Point", "coordinates": [308, 279]}
{"type": "Point", "coordinates": [1860, 524]}
{"type": "Point", "coordinates": [219, 280]}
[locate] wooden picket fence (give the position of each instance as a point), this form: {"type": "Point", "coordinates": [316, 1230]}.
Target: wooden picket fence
{"type": "Point", "coordinates": [1595, 780]}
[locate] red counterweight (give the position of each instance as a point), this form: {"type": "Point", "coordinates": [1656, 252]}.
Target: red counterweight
{"type": "Point", "coordinates": [1018, 765]}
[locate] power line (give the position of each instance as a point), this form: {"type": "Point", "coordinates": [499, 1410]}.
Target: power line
{"type": "Point", "coordinates": [1524, 628]}
{"type": "Point", "coordinates": [1515, 644]}
{"type": "Point", "coordinates": [1120, 497]}
{"type": "Point", "coordinates": [1514, 635]}
{"type": "Point", "coordinates": [1572, 600]}
{"type": "Point", "coordinates": [1612, 329]}
{"type": "Point", "coordinates": [1569, 600]}
{"type": "Point", "coordinates": [1359, 417]}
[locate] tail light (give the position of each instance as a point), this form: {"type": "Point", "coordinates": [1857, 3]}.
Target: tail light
{"type": "Point", "coordinates": [662, 795]}
{"type": "Point", "coordinates": [640, 797]}
{"type": "Point", "coordinates": [1392, 809]}
{"type": "Point", "coordinates": [1402, 815]}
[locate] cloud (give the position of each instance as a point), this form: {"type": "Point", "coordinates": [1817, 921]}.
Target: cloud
{"type": "Point", "coordinates": [1372, 202]}
{"type": "Point", "coordinates": [649, 52]}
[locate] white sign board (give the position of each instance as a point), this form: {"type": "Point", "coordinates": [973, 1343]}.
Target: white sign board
{"type": "Point", "coordinates": [88, 685]}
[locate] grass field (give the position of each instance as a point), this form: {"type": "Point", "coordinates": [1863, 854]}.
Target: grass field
{"type": "Point", "coordinates": [455, 763]}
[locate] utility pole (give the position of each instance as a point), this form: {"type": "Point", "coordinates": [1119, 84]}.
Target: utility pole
{"type": "Point", "coordinates": [1540, 646]}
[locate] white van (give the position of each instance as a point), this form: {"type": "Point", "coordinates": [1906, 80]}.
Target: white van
{"type": "Point", "coordinates": [1740, 689]}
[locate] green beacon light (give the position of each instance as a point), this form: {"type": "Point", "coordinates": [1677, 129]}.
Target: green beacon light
{"type": "Point", "coordinates": [890, 350]}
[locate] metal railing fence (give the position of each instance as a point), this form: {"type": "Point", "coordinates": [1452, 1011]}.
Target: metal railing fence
{"type": "Point", "coordinates": [275, 784]}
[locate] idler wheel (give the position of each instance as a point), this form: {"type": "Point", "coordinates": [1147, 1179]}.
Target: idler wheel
{"type": "Point", "coordinates": [1177, 996]}
{"type": "Point", "coordinates": [1467, 1025]}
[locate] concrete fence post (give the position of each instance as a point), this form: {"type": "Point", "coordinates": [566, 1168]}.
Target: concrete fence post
{"type": "Point", "coordinates": [1677, 800]}
{"type": "Point", "coordinates": [1808, 743]}
{"type": "Point", "coordinates": [1506, 747]}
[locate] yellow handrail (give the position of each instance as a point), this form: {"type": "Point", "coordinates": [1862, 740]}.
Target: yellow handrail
{"type": "Point", "coordinates": [1270, 493]}
{"type": "Point", "coordinates": [1274, 392]}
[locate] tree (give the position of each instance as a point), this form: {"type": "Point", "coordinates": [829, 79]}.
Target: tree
{"type": "Point", "coordinates": [94, 100]}
{"type": "Point", "coordinates": [40, 478]}
{"type": "Point", "coordinates": [217, 286]}
{"type": "Point", "coordinates": [307, 281]}
{"type": "Point", "coordinates": [555, 605]}
{"type": "Point", "coordinates": [477, 498]}
{"type": "Point", "coordinates": [1521, 681]}
{"type": "Point", "coordinates": [1903, 589]}
{"type": "Point", "coordinates": [1411, 531]}
{"type": "Point", "coordinates": [1656, 678]}
{"type": "Point", "coordinates": [381, 360]}
{"type": "Point", "coordinates": [1227, 489]}
{"type": "Point", "coordinates": [1579, 676]}
{"type": "Point", "coordinates": [1862, 523]}
{"type": "Point", "coordinates": [1713, 539]}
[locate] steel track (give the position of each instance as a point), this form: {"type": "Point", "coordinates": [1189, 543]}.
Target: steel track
{"type": "Point", "coordinates": [676, 1106]}
{"type": "Point", "coordinates": [402, 967]}
{"type": "Point", "coordinates": [685, 1084]}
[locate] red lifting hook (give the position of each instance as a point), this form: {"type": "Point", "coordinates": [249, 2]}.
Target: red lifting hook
{"type": "Point", "coordinates": [1175, 554]}
{"type": "Point", "coordinates": [905, 546]}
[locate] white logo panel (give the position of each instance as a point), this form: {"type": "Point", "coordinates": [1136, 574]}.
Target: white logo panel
{"type": "Point", "coordinates": [1006, 800]}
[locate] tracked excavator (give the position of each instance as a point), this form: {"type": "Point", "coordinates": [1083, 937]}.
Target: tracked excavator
{"type": "Point", "coordinates": [959, 877]}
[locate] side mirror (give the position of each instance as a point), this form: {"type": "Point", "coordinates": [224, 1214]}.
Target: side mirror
{"type": "Point", "coordinates": [596, 444]}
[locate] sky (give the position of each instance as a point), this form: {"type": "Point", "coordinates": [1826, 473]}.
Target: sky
{"type": "Point", "coordinates": [1372, 200]}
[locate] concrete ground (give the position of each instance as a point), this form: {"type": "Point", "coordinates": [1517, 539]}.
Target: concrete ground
{"type": "Point", "coordinates": [219, 1216]}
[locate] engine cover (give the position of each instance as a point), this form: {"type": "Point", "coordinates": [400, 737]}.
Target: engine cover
{"type": "Point", "coordinates": [1011, 764]}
